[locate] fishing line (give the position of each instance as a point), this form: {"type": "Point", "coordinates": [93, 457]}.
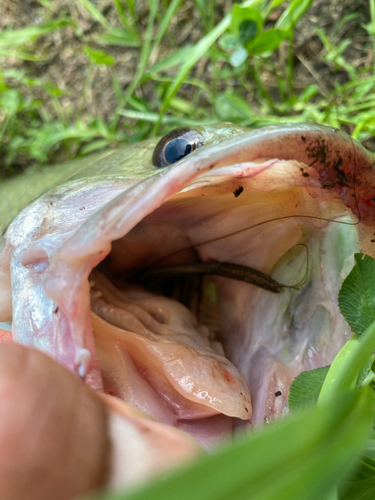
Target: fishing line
{"type": "Point", "coordinates": [247, 228]}
{"type": "Point", "coordinates": [303, 281]}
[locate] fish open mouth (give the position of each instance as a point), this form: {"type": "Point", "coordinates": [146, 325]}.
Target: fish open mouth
{"type": "Point", "coordinates": [199, 350]}
{"type": "Point", "coordinates": [205, 352]}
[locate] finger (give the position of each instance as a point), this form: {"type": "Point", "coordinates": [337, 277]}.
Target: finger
{"type": "Point", "coordinates": [143, 448]}
{"type": "Point", "coordinates": [53, 429]}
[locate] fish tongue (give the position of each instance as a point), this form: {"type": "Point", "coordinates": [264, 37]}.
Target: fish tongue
{"type": "Point", "coordinates": [154, 354]}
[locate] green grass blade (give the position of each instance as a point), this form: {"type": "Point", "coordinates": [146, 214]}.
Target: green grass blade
{"type": "Point", "coordinates": [360, 490]}
{"type": "Point", "coordinates": [145, 52]}
{"type": "Point", "coordinates": [121, 37]}
{"type": "Point", "coordinates": [95, 13]}
{"type": "Point", "coordinates": [121, 13]}
{"type": "Point", "coordinates": [15, 38]}
{"type": "Point", "coordinates": [293, 13]}
{"type": "Point", "coordinates": [348, 364]}
{"type": "Point", "coordinates": [372, 13]}
{"type": "Point", "coordinates": [167, 18]}
{"type": "Point", "coordinates": [98, 56]}
{"type": "Point", "coordinates": [150, 117]}
{"type": "Point", "coordinates": [174, 59]}
{"type": "Point", "coordinates": [25, 56]}
{"type": "Point", "coordinates": [198, 51]}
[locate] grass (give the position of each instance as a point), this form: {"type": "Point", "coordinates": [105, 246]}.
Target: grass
{"type": "Point", "coordinates": [249, 57]}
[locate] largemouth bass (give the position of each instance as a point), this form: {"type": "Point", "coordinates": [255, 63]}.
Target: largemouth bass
{"type": "Point", "coordinates": [198, 347]}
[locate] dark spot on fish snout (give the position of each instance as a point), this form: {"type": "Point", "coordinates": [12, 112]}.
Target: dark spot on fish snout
{"type": "Point", "coordinates": [238, 191]}
{"type": "Point", "coordinates": [277, 394]}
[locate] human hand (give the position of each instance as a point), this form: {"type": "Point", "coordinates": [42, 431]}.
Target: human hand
{"type": "Point", "coordinates": [59, 439]}
{"type": "Point", "coordinates": [53, 429]}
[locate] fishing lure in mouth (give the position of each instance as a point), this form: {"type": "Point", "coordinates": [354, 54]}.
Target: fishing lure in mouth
{"type": "Point", "coordinates": [233, 205]}
{"type": "Point", "coordinates": [225, 269]}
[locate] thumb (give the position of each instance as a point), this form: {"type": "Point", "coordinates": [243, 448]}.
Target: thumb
{"type": "Point", "coordinates": [53, 429]}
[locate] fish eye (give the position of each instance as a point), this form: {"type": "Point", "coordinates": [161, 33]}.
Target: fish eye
{"type": "Point", "coordinates": [176, 145]}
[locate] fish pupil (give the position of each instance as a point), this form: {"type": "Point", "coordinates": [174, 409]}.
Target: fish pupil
{"type": "Point", "coordinates": [174, 146]}
{"type": "Point", "coordinates": [177, 149]}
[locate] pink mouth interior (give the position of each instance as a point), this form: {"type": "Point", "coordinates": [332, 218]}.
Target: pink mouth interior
{"type": "Point", "coordinates": [207, 355]}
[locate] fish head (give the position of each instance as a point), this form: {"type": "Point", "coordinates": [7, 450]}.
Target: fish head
{"type": "Point", "coordinates": [210, 353]}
